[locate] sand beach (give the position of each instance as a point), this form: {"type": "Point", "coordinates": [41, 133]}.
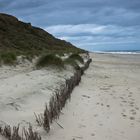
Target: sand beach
{"type": "Point", "coordinates": [105, 106]}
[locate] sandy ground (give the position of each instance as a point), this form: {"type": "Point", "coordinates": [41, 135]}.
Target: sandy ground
{"type": "Point", "coordinates": [25, 92]}
{"type": "Point", "coordinates": [106, 104]}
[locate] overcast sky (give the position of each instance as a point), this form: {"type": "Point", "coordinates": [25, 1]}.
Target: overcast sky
{"type": "Point", "coordinates": [89, 24]}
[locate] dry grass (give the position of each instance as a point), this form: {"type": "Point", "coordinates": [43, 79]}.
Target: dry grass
{"type": "Point", "coordinates": [50, 60]}
{"type": "Point", "coordinates": [13, 133]}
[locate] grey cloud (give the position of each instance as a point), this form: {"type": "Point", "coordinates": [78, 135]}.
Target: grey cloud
{"type": "Point", "coordinates": [80, 20]}
{"type": "Point", "coordinates": [75, 12]}
{"type": "Point", "coordinates": [93, 36]}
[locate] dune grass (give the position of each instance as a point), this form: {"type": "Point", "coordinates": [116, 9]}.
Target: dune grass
{"type": "Point", "coordinates": [76, 57]}
{"type": "Point", "coordinates": [7, 58]}
{"type": "Point", "coordinates": [50, 60]}
{"type": "Point", "coordinates": [72, 62]}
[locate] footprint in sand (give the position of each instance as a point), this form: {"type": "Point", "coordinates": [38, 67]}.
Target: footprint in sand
{"type": "Point", "coordinates": [27, 74]}
{"type": "Point", "coordinates": [95, 115]}
{"type": "Point", "coordinates": [132, 118]}
{"type": "Point", "coordinates": [132, 124]}
{"type": "Point", "coordinates": [124, 101]}
{"type": "Point", "coordinates": [127, 89]}
{"type": "Point", "coordinates": [131, 103]}
{"type": "Point", "coordinates": [97, 103]}
{"type": "Point", "coordinates": [102, 104]}
{"type": "Point", "coordinates": [129, 95]}
{"type": "Point", "coordinates": [133, 112]}
{"type": "Point", "coordinates": [108, 105]}
{"type": "Point", "coordinates": [124, 115]}
{"type": "Point", "coordinates": [92, 134]}
{"type": "Point", "coordinates": [82, 126]}
{"type": "Point", "coordinates": [130, 92]}
{"type": "Point", "coordinates": [101, 124]}
{"type": "Point", "coordinates": [106, 77]}
{"type": "Point", "coordinates": [136, 108]}
{"type": "Point", "coordinates": [85, 96]}
{"type": "Point", "coordinates": [132, 99]}
{"type": "Point", "coordinates": [122, 98]}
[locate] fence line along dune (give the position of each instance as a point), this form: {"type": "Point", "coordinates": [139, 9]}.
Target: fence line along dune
{"type": "Point", "coordinates": [51, 113]}
{"type": "Point", "coordinates": [58, 101]}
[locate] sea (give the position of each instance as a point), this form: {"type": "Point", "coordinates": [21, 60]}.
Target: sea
{"type": "Point", "coordinates": [119, 51]}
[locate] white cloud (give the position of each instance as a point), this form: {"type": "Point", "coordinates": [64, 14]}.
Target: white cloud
{"type": "Point", "coordinates": [74, 29]}
{"type": "Point", "coordinates": [93, 29]}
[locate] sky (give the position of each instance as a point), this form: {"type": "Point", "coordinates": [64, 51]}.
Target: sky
{"type": "Point", "coordinates": [94, 25]}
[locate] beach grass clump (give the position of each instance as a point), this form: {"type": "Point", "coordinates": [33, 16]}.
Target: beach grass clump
{"type": "Point", "coordinates": [12, 133]}
{"type": "Point", "coordinates": [50, 60]}
{"type": "Point", "coordinates": [72, 62]}
{"type": "Point", "coordinates": [8, 58]}
{"type": "Point", "coordinates": [77, 57]}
